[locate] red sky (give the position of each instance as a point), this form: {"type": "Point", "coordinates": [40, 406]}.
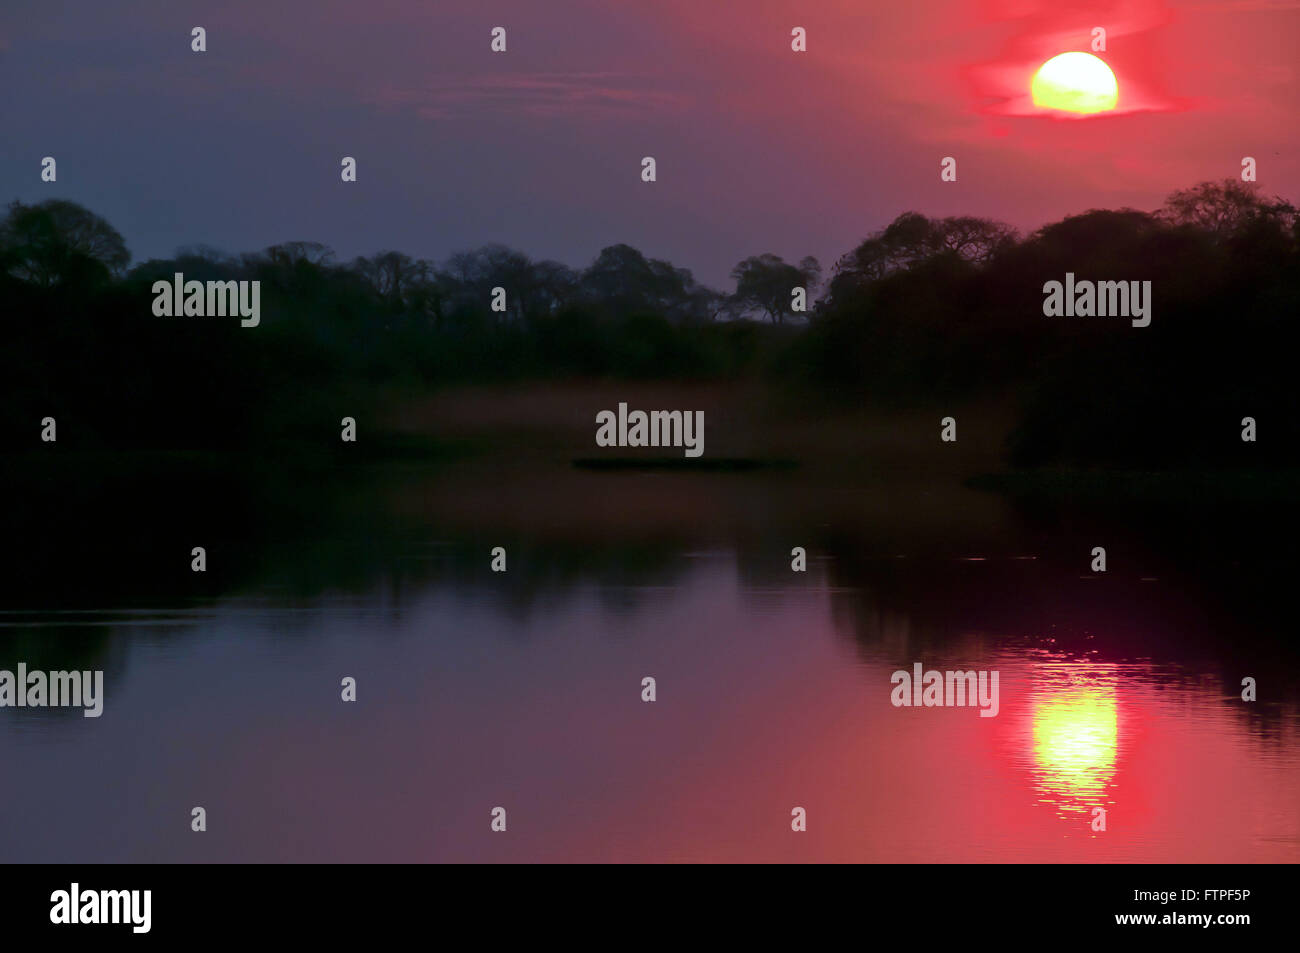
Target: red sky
{"type": "Point", "coordinates": [758, 148]}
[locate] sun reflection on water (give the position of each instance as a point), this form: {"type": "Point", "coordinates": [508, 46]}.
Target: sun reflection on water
{"type": "Point", "coordinates": [1075, 735]}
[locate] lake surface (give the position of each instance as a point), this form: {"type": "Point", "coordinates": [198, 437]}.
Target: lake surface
{"type": "Point", "coordinates": [523, 689]}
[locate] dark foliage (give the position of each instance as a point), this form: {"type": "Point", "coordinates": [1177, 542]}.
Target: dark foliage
{"type": "Point", "coordinates": [936, 311]}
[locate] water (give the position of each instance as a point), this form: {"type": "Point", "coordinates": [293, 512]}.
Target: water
{"type": "Point", "coordinates": [523, 689]}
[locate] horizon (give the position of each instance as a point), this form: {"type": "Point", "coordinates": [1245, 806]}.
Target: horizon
{"type": "Point", "coordinates": [335, 259]}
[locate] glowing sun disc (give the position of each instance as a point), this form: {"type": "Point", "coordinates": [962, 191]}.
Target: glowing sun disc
{"type": "Point", "coordinates": [1075, 82]}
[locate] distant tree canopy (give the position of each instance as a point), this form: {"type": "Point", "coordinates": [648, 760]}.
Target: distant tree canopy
{"type": "Point", "coordinates": [923, 309]}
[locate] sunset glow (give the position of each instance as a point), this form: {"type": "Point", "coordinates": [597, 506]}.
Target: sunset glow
{"type": "Point", "coordinates": [1075, 82]}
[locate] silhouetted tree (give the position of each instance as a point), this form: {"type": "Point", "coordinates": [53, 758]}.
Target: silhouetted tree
{"type": "Point", "coordinates": [766, 282]}
{"type": "Point", "coordinates": [622, 281]}
{"type": "Point", "coordinates": [911, 239]}
{"type": "Point", "coordinates": [393, 275]}
{"type": "Point", "coordinates": [473, 274]}
{"type": "Point", "coordinates": [56, 240]}
{"type": "Point", "coordinates": [1224, 208]}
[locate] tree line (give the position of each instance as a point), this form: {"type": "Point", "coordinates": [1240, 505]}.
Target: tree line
{"type": "Point", "coordinates": [923, 310]}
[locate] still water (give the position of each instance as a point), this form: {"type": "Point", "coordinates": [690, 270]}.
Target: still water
{"type": "Point", "coordinates": [523, 689]}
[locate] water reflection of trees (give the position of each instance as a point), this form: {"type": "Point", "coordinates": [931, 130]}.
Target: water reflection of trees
{"type": "Point", "coordinates": [1184, 581]}
{"type": "Point", "coordinates": [275, 538]}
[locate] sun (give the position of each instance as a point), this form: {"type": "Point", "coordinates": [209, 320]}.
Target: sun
{"type": "Point", "coordinates": [1076, 83]}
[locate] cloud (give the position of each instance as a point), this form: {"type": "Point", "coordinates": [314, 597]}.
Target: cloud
{"type": "Point", "coordinates": [537, 95]}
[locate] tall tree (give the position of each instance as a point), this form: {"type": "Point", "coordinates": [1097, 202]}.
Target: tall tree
{"type": "Point", "coordinates": [56, 240]}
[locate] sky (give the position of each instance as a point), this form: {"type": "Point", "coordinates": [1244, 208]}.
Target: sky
{"type": "Point", "coordinates": [758, 148]}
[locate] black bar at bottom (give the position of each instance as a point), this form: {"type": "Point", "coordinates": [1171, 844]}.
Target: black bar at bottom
{"type": "Point", "coordinates": [943, 903]}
